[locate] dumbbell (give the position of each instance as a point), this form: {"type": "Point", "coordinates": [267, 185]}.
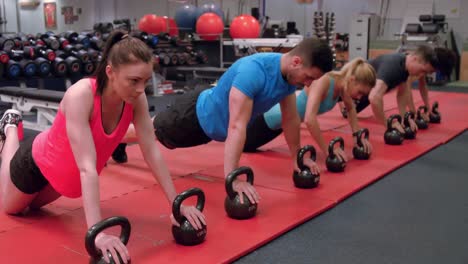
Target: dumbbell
{"type": "Point", "coordinates": [4, 58]}
{"type": "Point", "coordinates": [74, 65]}
{"type": "Point", "coordinates": [7, 43]}
{"type": "Point", "coordinates": [41, 51]}
{"type": "Point", "coordinates": [43, 66]}
{"type": "Point", "coordinates": [75, 38]}
{"type": "Point", "coordinates": [59, 67]}
{"type": "Point", "coordinates": [93, 54]}
{"type": "Point", "coordinates": [26, 53]}
{"type": "Point", "coordinates": [51, 41]}
{"type": "Point", "coordinates": [77, 52]}
{"type": "Point", "coordinates": [13, 69]}
{"type": "Point", "coordinates": [88, 68]}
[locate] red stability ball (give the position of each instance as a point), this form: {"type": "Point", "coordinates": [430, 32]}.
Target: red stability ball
{"type": "Point", "coordinates": [209, 26]}
{"type": "Point", "coordinates": [152, 24]}
{"type": "Point", "coordinates": [244, 26]}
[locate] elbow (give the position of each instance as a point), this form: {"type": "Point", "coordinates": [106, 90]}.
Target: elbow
{"type": "Point", "coordinates": [375, 99]}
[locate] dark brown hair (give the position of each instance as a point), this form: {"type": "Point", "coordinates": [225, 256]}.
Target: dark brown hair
{"type": "Point", "coordinates": [120, 49]}
{"type": "Point", "coordinates": [314, 53]}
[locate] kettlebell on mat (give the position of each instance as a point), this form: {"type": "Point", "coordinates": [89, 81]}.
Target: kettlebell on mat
{"type": "Point", "coordinates": [359, 151]}
{"type": "Point", "coordinates": [434, 116]}
{"type": "Point", "coordinates": [333, 162]}
{"type": "Point", "coordinates": [409, 133]}
{"type": "Point", "coordinates": [94, 253]}
{"type": "Point", "coordinates": [420, 122]}
{"type": "Point", "coordinates": [234, 208]}
{"type": "Point", "coordinates": [305, 179]}
{"type": "Point", "coordinates": [392, 136]}
{"type": "Point", "coordinates": [186, 234]}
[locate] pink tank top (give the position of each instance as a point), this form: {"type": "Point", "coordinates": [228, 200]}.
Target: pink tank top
{"type": "Point", "coordinates": [52, 152]}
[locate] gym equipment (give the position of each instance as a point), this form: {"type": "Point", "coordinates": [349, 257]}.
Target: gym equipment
{"type": "Point", "coordinates": [333, 162]}
{"type": "Point", "coordinates": [4, 58]}
{"type": "Point", "coordinates": [152, 24]}
{"type": "Point", "coordinates": [88, 68]}
{"type": "Point", "coordinates": [305, 179]}
{"type": "Point", "coordinates": [73, 65]}
{"type": "Point", "coordinates": [392, 136]}
{"type": "Point", "coordinates": [59, 67]}
{"type": "Point", "coordinates": [13, 69]}
{"type": "Point", "coordinates": [171, 26]}
{"type": "Point", "coordinates": [76, 38]}
{"type": "Point", "coordinates": [434, 115]}
{"type": "Point", "coordinates": [43, 66]}
{"type": "Point", "coordinates": [432, 30]}
{"type": "Point", "coordinates": [409, 133]}
{"type": "Point", "coordinates": [234, 208]}
{"type": "Point", "coordinates": [6, 43]}
{"type": "Point", "coordinates": [45, 53]}
{"type": "Point", "coordinates": [186, 17]}
{"type": "Point", "coordinates": [209, 26]}
{"type": "Point", "coordinates": [77, 52]}
{"type": "Point", "coordinates": [244, 26]}
{"type": "Point", "coordinates": [358, 151]}
{"type": "Point", "coordinates": [186, 234]}
{"type": "Point", "coordinates": [96, 256]}
{"type": "Point", "coordinates": [210, 8]}
{"type": "Point", "coordinates": [420, 122]}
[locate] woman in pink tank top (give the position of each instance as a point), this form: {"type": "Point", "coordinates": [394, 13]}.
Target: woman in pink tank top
{"type": "Point", "coordinates": [93, 117]}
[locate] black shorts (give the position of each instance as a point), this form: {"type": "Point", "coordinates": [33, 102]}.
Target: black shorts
{"type": "Point", "coordinates": [258, 134]}
{"type": "Point", "coordinates": [24, 172]}
{"type": "Point", "coordinates": [178, 126]}
{"type": "Point", "coordinates": [362, 104]}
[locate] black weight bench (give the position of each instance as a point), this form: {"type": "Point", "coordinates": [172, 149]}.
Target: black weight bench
{"type": "Point", "coordinates": [45, 102]}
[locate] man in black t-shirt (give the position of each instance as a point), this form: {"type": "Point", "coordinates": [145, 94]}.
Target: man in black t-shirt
{"type": "Point", "coordinates": [393, 71]}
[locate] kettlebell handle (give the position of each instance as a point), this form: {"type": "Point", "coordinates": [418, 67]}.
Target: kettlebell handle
{"type": "Point", "coordinates": [233, 175]}
{"type": "Point", "coordinates": [408, 115]}
{"type": "Point", "coordinates": [422, 108]}
{"type": "Point", "coordinates": [359, 133]}
{"type": "Point", "coordinates": [390, 120]}
{"type": "Point", "coordinates": [435, 107]}
{"type": "Point", "coordinates": [331, 146]}
{"type": "Point", "coordinates": [184, 195]}
{"type": "Point", "coordinates": [97, 228]}
{"type": "Point", "coordinates": [302, 152]}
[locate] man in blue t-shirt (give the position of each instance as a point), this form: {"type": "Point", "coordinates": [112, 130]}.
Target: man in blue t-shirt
{"type": "Point", "coordinates": [250, 87]}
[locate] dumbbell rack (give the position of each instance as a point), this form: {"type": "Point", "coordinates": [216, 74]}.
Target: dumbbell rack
{"type": "Point", "coordinates": [324, 28]}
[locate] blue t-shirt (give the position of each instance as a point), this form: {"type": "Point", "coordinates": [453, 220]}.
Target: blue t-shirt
{"type": "Point", "coordinates": [257, 76]}
{"type": "Point", "coordinates": [273, 116]}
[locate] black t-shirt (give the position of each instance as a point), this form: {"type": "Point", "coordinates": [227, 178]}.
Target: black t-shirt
{"type": "Point", "coordinates": [391, 69]}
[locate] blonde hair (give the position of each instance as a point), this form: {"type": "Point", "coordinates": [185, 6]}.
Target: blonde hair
{"type": "Point", "coordinates": [362, 71]}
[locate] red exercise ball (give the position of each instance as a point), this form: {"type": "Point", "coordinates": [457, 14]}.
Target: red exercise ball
{"type": "Point", "coordinates": [209, 26]}
{"type": "Point", "coordinates": [172, 29]}
{"type": "Point", "coordinates": [244, 26]}
{"type": "Point", "coordinates": [152, 24]}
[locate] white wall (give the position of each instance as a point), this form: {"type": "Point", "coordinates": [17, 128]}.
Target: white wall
{"type": "Point", "coordinates": [32, 19]}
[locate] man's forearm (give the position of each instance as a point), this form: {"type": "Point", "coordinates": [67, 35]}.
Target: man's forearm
{"type": "Point", "coordinates": [233, 149]}
{"type": "Point", "coordinates": [377, 109]}
{"type": "Point", "coordinates": [291, 132]}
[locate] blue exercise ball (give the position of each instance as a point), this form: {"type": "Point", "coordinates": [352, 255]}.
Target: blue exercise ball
{"type": "Point", "coordinates": [186, 16]}
{"type": "Point", "coordinates": [210, 8]}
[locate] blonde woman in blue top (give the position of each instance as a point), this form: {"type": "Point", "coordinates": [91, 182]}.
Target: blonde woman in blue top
{"type": "Point", "coordinates": [353, 81]}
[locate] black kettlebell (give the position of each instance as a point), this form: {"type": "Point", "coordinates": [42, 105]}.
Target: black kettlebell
{"type": "Point", "coordinates": [358, 151]}
{"type": "Point", "coordinates": [96, 254]}
{"type": "Point", "coordinates": [420, 122]}
{"type": "Point", "coordinates": [392, 136]}
{"type": "Point", "coordinates": [305, 179]}
{"type": "Point", "coordinates": [186, 234]}
{"type": "Point", "coordinates": [434, 116]}
{"type": "Point", "coordinates": [333, 162]}
{"type": "Point", "coordinates": [232, 203]}
{"type": "Point", "coordinates": [409, 133]}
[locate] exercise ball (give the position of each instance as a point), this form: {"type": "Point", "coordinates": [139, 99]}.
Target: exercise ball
{"type": "Point", "coordinates": [186, 17]}
{"type": "Point", "coordinates": [171, 25]}
{"type": "Point", "coordinates": [244, 26]}
{"type": "Point", "coordinates": [209, 26]}
{"type": "Point", "coordinates": [210, 8]}
{"type": "Point", "coordinates": [152, 24]}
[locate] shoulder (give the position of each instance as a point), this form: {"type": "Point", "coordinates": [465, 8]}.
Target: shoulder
{"type": "Point", "coordinates": [81, 91]}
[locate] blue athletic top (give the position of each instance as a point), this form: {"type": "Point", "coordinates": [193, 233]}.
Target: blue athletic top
{"type": "Point", "coordinates": [273, 116]}
{"type": "Point", "coordinates": [257, 76]}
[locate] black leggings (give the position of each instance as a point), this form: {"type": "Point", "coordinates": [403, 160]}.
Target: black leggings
{"type": "Point", "coordinates": [258, 134]}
